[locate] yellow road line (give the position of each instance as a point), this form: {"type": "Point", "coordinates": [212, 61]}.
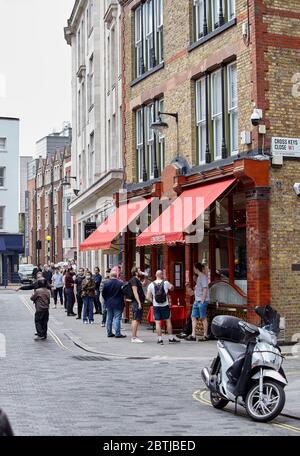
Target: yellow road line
{"type": "Point", "coordinates": [199, 396]}
{"type": "Point", "coordinates": [50, 331]}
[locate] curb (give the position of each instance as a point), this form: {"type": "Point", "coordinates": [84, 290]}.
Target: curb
{"type": "Point", "coordinates": [80, 344]}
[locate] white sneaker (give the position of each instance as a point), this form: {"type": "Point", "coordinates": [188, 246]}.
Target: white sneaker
{"type": "Point", "coordinates": [136, 340]}
{"type": "Point", "coordinates": [102, 325]}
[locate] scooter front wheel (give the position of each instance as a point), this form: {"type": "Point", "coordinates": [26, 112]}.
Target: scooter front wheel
{"type": "Point", "coordinates": [267, 407]}
{"type": "Point", "coordinates": [217, 401]}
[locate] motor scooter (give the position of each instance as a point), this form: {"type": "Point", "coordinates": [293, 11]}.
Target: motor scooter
{"type": "Point", "coordinates": [248, 368]}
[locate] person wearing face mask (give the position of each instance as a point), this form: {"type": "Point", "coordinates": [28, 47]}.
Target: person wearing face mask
{"type": "Point", "coordinates": [88, 295]}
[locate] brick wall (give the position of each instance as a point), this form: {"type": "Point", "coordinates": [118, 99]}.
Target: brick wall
{"type": "Point", "coordinates": [176, 80]}
{"type": "Point", "coordinates": [266, 66]}
{"type": "Point", "coordinates": [282, 53]}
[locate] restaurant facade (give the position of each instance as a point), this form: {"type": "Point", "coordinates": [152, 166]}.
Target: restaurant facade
{"type": "Point", "coordinates": [208, 86]}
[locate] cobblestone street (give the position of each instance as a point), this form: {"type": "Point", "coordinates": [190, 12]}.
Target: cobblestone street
{"type": "Point", "coordinates": [55, 388]}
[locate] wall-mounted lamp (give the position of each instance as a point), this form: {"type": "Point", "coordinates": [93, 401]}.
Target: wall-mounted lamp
{"type": "Point", "coordinates": [159, 126]}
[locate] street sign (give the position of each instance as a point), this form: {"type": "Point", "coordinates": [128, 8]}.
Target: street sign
{"type": "Point", "coordinates": [287, 147]}
{"type": "Point", "coordinates": [89, 228]}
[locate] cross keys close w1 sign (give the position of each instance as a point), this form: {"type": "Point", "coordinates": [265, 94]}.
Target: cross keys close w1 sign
{"type": "Point", "coordinates": [287, 147]}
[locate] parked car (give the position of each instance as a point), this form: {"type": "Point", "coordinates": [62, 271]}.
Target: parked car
{"type": "Point", "coordinates": [25, 273]}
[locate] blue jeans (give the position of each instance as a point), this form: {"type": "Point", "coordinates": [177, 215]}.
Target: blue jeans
{"type": "Point", "coordinates": [113, 316]}
{"type": "Point", "coordinates": [88, 308]}
{"type": "Point", "coordinates": [104, 314]}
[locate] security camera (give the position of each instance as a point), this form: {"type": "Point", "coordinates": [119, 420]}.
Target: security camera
{"type": "Point", "coordinates": [256, 116]}
{"type": "Point", "coordinates": [297, 188]}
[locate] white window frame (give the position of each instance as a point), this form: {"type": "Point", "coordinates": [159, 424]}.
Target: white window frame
{"type": "Point", "coordinates": [161, 137]}
{"type": "Point", "coordinates": [149, 30]}
{"type": "Point", "coordinates": [215, 13]}
{"type": "Point", "coordinates": [201, 118]}
{"type": "Point", "coordinates": [199, 18]}
{"type": "Point", "coordinates": [138, 19]}
{"type": "Point", "coordinates": [231, 9]}
{"type": "Point", "coordinates": [216, 114]}
{"type": "Point", "coordinates": [139, 142]}
{"type": "Point", "coordinates": [232, 108]}
{"type": "Point", "coordinates": [4, 147]}
{"type": "Point", "coordinates": [150, 138]}
{"type": "Point", "coordinates": [160, 30]}
{"type": "Point", "coordinates": [2, 176]}
{"type": "Point", "coordinates": [91, 82]}
{"type": "Point", "coordinates": [2, 217]}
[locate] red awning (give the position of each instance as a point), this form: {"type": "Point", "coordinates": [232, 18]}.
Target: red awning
{"type": "Point", "coordinates": [103, 237]}
{"type": "Point", "coordinates": [172, 224]}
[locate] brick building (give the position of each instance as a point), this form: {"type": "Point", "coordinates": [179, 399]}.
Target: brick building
{"type": "Point", "coordinates": [49, 215]}
{"type": "Point", "coordinates": [210, 63]}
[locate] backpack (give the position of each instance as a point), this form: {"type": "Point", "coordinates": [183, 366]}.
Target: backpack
{"type": "Point", "coordinates": [159, 292]}
{"type": "Point", "coordinates": [127, 290]}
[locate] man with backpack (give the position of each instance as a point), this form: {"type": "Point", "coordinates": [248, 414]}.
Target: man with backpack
{"type": "Point", "coordinates": [158, 294]}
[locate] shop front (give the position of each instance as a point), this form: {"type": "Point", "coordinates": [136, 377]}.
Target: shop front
{"type": "Point", "coordinates": [220, 216]}
{"type": "Point", "coordinates": [11, 247]}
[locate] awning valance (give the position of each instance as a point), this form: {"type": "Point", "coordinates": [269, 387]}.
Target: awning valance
{"type": "Point", "coordinates": [172, 224]}
{"type": "Point", "coordinates": [103, 237]}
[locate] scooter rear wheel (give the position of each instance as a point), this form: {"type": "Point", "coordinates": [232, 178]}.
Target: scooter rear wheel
{"type": "Point", "coordinates": [270, 406]}
{"type": "Point", "coordinates": [217, 401]}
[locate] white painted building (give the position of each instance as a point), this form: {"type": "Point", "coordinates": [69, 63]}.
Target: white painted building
{"type": "Point", "coordinates": [11, 242]}
{"type": "Point", "coordinates": [9, 175]}
{"type": "Point", "coordinates": [93, 31]}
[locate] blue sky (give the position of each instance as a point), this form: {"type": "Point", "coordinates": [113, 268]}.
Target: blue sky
{"type": "Point", "coordinates": [35, 67]}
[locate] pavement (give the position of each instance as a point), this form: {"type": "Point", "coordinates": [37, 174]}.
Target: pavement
{"type": "Point", "coordinates": [115, 388]}
{"type": "Point", "coordinates": [93, 339]}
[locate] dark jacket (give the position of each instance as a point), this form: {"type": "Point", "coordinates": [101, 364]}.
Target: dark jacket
{"type": "Point", "coordinates": [78, 281]}
{"type": "Point", "coordinates": [98, 280]}
{"type": "Point", "coordinates": [48, 276]}
{"type": "Point", "coordinates": [88, 288]}
{"type": "Point", "coordinates": [112, 294]}
{"type": "Point", "coordinates": [69, 280]}
{"type": "Point", "coordinates": [41, 299]}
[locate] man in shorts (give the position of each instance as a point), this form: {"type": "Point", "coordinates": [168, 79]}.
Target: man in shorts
{"type": "Point", "coordinates": [200, 305]}
{"type": "Point", "coordinates": [158, 294]}
{"type": "Point", "coordinates": [137, 303]}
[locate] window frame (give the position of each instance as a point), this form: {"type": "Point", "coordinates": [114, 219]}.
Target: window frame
{"type": "Point", "coordinates": [4, 148]}
{"type": "Point", "coordinates": [212, 17]}
{"type": "Point", "coordinates": [232, 109]}
{"type": "Point", "coordinates": [216, 116]}
{"type": "Point", "coordinates": [2, 217]}
{"type": "Point", "coordinates": [153, 142]}
{"type": "Point", "coordinates": [3, 177]}
{"type": "Point", "coordinates": [148, 31]}
{"type": "Point", "coordinates": [139, 143]}
{"type": "Point", "coordinates": [201, 120]}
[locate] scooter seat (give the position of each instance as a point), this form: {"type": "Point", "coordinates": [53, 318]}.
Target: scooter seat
{"type": "Point", "coordinates": [235, 350]}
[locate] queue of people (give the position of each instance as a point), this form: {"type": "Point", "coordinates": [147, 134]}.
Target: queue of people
{"type": "Point", "coordinates": [106, 297]}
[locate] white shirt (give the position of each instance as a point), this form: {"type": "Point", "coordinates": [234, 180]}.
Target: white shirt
{"type": "Point", "coordinates": [151, 289]}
